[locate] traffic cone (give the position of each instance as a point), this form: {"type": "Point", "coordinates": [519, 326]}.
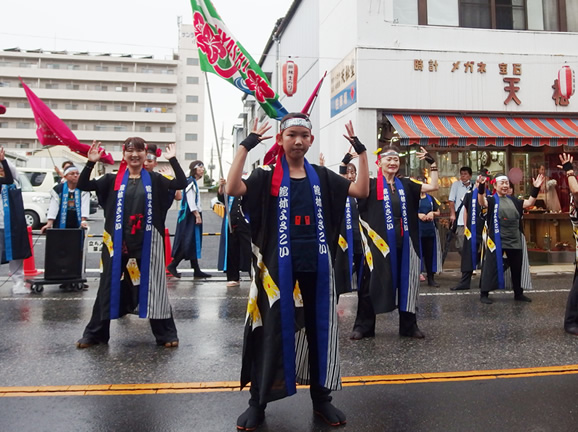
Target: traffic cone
{"type": "Point", "coordinates": [168, 250]}
{"type": "Point", "coordinates": [29, 263]}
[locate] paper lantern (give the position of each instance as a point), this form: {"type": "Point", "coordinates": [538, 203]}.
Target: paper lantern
{"type": "Point", "coordinates": [566, 81]}
{"type": "Point", "coordinates": [290, 71]}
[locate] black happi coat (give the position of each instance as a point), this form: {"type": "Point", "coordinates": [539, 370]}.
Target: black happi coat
{"type": "Point", "coordinates": [263, 348]}
{"type": "Point", "coordinates": [384, 295]}
{"type": "Point", "coordinates": [18, 227]}
{"type": "Point", "coordinates": [158, 307]}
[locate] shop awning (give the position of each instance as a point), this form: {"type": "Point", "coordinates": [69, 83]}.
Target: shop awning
{"type": "Point", "coordinates": [484, 131]}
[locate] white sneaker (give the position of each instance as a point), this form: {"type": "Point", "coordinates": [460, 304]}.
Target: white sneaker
{"type": "Point", "coordinates": [20, 289]}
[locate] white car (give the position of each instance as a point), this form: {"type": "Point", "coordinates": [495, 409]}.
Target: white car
{"type": "Point", "coordinates": [35, 203]}
{"type": "Point", "coordinates": [41, 179]}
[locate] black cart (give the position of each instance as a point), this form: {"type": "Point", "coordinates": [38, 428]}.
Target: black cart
{"type": "Point", "coordinates": [63, 260]}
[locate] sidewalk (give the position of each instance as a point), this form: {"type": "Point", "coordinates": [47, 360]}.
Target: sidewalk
{"type": "Point", "coordinates": [452, 263]}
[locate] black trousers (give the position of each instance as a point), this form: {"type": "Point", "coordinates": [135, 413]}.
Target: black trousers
{"type": "Point", "coordinates": [98, 329]}
{"type": "Point", "coordinates": [238, 249]}
{"type": "Point", "coordinates": [365, 317]}
{"type": "Point", "coordinates": [427, 251]}
{"type": "Point", "coordinates": [319, 393]}
{"type": "Point", "coordinates": [514, 261]}
{"type": "Point", "coordinates": [571, 316]}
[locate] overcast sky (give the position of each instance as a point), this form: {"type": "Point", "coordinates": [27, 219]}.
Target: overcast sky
{"type": "Point", "coordinates": [138, 27]}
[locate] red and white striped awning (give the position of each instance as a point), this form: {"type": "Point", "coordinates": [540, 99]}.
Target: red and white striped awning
{"type": "Point", "coordinates": [432, 130]}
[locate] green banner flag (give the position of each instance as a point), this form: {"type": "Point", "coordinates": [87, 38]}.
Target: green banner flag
{"type": "Point", "coordinates": [220, 53]}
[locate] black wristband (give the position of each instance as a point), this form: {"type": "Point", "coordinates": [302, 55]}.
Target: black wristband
{"type": "Point", "coordinates": [567, 166]}
{"type": "Point", "coordinates": [342, 169]}
{"type": "Point", "coordinates": [347, 158]}
{"type": "Point", "coordinates": [534, 192]}
{"type": "Point", "coordinates": [429, 159]}
{"type": "Point", "coordinates": [251, 141]}
{"type": "Point", "coordinates": [357, 146]}
{"type": "Point", "coordinates": [482, 188]}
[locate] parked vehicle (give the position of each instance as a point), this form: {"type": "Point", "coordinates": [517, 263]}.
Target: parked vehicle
{"type": "Point", "coordinates": [41, 179]}
{"type": "Point", "coordinates": [44, 180]}
{"type": "Point", "coordinates": [36, 203]}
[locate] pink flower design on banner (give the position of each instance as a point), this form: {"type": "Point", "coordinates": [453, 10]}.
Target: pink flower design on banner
{"type": "Point", "coordinates": [207, 41]}
{"type": "Point", "coordinates": [259, 86]}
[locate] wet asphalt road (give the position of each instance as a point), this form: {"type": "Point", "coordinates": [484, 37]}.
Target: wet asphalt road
{"type": "Point", "coordinates": [39, 330]}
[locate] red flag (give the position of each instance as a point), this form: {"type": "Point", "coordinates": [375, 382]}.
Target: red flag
{"type": "Point", "coordinates": [307, 108]}
{"type": "Point", "coordinates": [53, 131]}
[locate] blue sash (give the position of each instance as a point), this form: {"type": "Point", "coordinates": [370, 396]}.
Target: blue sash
{"type": "Point", "coordinates": [349, 238]}
{"type": "Point", "coordinates": [115, 282]}
{"type": "Point", "coordinates": [198, 227]}
{"type": "Point", "coordinates": [64, 205]}
{"type": "Point", "coordinates": [498, 243]}
{"type": "Point", "coordinates": [286, 287]}
{"type": "Point", "coordinates": [401, 283]}
{"type": "Point", "coordinates": [473, 229]}
{"type": "Point", "coordinates": [7, 221]}
{"type": "Point", "coordinates": [226, 231]}
{"type": "Point", "coordinates": [434, 265]}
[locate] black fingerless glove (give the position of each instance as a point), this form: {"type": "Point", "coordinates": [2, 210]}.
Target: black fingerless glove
{"type": "Point", "coordinates": [251, 141]}
{"type": "Point", "coordinates": [357, 146]}
{"type": "Point", "coordinates": [534, 192]}
{"type": "Point", "coordinates": [342, 169]}
{"type": "Point", "coordinates": [347, 158]}
{"type": "Point", "coordinates": [482, 188]}
{"type": "Point", "coordinates": [429, 159]}
{"type": "Point", "coordinates": [567, 166]}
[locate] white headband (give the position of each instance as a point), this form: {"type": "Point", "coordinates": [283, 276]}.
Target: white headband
{"type": "Point", "coordinates": [70, 169]}
{"type": "Point", "coordinates": [501, 178]}
{"type": "Point", "coordinates": [296, 121]}
{"type": "Point", "coordinates": [389, 153]}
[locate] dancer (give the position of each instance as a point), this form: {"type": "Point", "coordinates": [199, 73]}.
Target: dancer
{"type": "Point", "coordinates": [571, 315]}
{"type": "Point", "coordinates": [295, 211]}
{"type": "Point", "coordinates": [390, 235]}
{"type": "Point", "coordinates": [189, 233]}
{"type": "Point", "coordinates": [235, 242]}
{"type": "Point", "coordinates": [133, 277]}
{"type": "Point", "coordinates": [474, 222]}
{"type": "Point", "coordinates": [14, 242]}
{"type": "Point", "coordinates": [430, 246]}
{"type": "Point", "coordinates": [505, 236]}
{"type": "Point", "coordinates": [349, 256]}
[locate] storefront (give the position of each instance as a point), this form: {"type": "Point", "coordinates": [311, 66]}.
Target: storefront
{"type": "Point", "coordinates": [521, 147]}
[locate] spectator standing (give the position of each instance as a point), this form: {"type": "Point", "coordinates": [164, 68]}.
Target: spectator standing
{"type": "Point", "coordinates": [458, 190]}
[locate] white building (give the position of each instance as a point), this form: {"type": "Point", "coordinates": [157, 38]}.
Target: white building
{"type": "Point", "coordinates": [108, 97]}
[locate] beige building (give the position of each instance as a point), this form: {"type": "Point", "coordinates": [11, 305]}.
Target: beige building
{"type": "Point", "coordinates": [107, 97]}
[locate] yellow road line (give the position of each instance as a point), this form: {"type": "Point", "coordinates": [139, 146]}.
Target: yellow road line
{"type": "Point", "coordinates": [229, 386]}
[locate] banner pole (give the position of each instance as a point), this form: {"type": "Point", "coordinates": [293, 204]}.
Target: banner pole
{"type": "Point", "coordinates": [221, 175]}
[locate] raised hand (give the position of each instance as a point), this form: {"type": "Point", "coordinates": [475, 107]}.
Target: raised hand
{"type": "Point", "coordinates": [537, 182]}
{"type": "Point", "coordinates": [95, 152]}
{"type": "Point", "coordinates": [260, 130]}
{"type": "Point", "coordinates": [566, 160]}
{"type": "Point", "coordinates": [171, 151]}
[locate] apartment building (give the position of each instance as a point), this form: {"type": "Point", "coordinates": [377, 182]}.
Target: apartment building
{"type": "Point", "coordinates": [107, 97]}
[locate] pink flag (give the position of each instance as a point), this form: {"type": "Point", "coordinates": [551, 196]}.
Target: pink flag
{"type": "Point", "coordinates": [309, 105]}
{"type": "Point", "coordinates": [53, 131]}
